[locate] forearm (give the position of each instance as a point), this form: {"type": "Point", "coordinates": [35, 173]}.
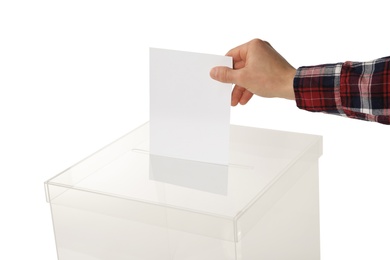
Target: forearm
{"type": "Point", "coordinates": [354, 89]}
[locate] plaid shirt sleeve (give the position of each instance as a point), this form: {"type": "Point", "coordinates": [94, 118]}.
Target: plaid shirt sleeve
{"type": "Point", "coordinates": [354, 89]}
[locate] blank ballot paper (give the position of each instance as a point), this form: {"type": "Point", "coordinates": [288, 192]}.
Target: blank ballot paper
{"type": "Point", "coordinates": [189, 111]}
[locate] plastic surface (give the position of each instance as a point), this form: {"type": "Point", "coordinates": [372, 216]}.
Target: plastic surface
{"type": "Point", "coordinates": [122, 203]}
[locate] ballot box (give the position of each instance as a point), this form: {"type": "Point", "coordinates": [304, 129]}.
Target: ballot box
{"type": "Point", "coordinates": [123, 203]}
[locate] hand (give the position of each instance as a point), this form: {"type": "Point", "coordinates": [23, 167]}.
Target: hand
{"type": "Point", "coordinates": [257, 69]}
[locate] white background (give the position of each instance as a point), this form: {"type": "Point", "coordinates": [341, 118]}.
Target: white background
{"type": "Point", "coordinates": [74, 77]}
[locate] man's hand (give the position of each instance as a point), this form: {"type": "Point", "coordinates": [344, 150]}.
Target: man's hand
{"type": "Point", "coordinates": [257, 69]}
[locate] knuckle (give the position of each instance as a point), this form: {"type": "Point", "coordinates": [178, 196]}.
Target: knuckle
{"type": "Point", "coordinates": [226, 76]}
{"type": "Point", "coordinates": [259, 42]}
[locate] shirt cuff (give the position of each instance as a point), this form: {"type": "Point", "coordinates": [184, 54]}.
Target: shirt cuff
{"type": "Point", "coordinates": [317, 88]}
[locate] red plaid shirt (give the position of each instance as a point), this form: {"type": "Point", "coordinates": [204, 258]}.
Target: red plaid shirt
{"type": "Point", "coordinates": [354, 89]}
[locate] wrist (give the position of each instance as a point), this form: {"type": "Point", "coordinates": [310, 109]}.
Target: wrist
{"type": "Point", "coordinates": [288, 89]}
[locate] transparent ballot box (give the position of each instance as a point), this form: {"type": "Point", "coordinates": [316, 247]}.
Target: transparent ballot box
{"type": "Point", "coordinates": [122, 203]}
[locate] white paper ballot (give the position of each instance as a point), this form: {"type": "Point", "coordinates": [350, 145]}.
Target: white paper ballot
{"type": "Point", "coordinates": [189, 111]}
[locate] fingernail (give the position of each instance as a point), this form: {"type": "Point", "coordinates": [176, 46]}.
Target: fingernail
{"type": "Point", "coordinates": [213, 73]}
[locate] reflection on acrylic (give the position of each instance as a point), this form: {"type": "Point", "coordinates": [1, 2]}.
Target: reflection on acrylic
{"type": "Point", "coordinates": [202, 176]}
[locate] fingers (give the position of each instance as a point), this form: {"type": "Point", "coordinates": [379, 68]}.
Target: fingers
{"type": "Point", "coordinates": [228, 75]}
{"type": "Point", "coordinates": [239, 53]}
{"type": "Point", "coordinates": [240, 95]}
{"type": "Point", "coordinates": [236, 95]}
{"type": "Point", "coordinates": [239, 65]}
{"type": "Point", "coordinates": [246, 96]}
{"type": "Point", "coordinates": [223, 74]}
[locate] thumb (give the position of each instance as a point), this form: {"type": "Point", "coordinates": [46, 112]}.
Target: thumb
{"type": "Point", "coordinates": [223, 74]}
